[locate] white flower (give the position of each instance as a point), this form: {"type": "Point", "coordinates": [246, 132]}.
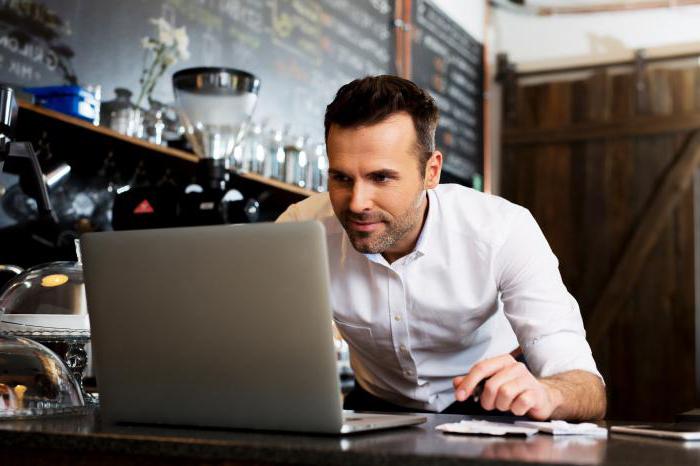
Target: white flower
{"type": "Point", "coordinates": [170, 45]}
{"type": "Point", "coordinates": [165, 32]}
{"type": "Point", "coordinates": [182, 42]}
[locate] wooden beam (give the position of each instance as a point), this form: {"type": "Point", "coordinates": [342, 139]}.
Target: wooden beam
{"type": "Point", "coordinates": [625, 274]}
{"type": "Point", "coordinates": [613, 7]}
{"type": "Point", "coordinates": [487, 101]}
{"type": "Point", "coordinates": [603, 64]}
{"type": "Point", "coordinates": [398, 38]}
{"type": "Point", "coordinates": [407, 39]}
{"type": "Point", "coordinates": [638, 126]}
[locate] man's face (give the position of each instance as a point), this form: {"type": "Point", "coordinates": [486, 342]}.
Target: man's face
{"type": "Point", "coordinates": [376, 187]}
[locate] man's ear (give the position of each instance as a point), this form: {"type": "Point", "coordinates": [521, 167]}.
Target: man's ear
{"type": "Point", "coordinates": [433, 168]}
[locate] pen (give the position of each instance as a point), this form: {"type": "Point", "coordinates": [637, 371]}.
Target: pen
{"type": "Point", "coordinates": [476, 393]}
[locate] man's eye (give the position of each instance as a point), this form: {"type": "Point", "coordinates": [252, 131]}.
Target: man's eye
{"type": "Point", "coordinates": [340, 178]}
{"type": "Point", "coordinates": [380, 178]}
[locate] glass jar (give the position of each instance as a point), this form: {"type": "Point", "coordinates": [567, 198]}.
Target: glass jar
{"type": "Point", "coordinates": [276, 157]}
{"type": "Point", "coordinates": [249, 155]}
{"type": "Point", "coordinates": [296, 161]}
{"type": "Point", "coordinates": [318, 169]}
{"type": "Point", "coordinates": [122, 115]}
{"type": "Point", "coordinates": [154, 122]}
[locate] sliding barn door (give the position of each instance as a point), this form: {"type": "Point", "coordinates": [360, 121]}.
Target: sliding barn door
{"type": "Point", "coordinates": [604, 160]}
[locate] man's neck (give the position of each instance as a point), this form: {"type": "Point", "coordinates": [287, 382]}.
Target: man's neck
{"type": "Point", "coordinates": [407, 244]}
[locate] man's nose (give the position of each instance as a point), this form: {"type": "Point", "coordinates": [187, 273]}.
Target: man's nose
{"type": "Point", "coordinates": [361, 198]}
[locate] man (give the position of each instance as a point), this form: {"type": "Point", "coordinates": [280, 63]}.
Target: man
{"type": "Point", "coordinates": [433, 286]}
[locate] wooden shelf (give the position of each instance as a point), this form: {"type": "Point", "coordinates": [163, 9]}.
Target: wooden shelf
{"type": "Point", "coordinates": [181, 154]}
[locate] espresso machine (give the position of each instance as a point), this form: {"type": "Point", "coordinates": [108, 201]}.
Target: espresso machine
{"type": "Point", "coordinates": [42, 231]}
{"type": "Point", "coordinates": [19, 158]}
{"type": "Point", "coordinates": [215, 106]}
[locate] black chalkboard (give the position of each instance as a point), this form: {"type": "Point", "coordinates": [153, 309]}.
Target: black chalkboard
{"type": "Point", "coordinates": [302, 50]}
{"type": "Point", "coordinates": [447, 61]}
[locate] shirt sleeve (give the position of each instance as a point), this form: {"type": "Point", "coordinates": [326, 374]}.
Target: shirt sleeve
{"type": "Point", "coordinates": [545, 317]}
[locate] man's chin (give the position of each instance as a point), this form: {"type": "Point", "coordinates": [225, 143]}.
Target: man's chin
{"type": "Point", "coordinates": [364, 245]}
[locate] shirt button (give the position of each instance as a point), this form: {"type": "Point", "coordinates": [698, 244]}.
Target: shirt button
{"type": "Point", "coordinates": [397, 318]}
{"type": "Point", "coordinates": [408, 372]}
{"type": "Point", "coordinates": [402, 348]}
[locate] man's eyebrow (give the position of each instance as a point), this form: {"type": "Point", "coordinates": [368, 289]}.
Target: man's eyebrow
{"type": "Point", "coordinates": [388, 172]}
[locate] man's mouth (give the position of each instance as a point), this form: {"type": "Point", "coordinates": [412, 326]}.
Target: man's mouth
{"type": "Point", "coordinates": [364, 226]}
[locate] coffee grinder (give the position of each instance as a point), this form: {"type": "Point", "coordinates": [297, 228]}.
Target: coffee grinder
{"type": "Point", "coordinates": [215, 106]}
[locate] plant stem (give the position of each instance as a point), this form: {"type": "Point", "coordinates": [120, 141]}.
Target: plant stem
{"type": "Point", "coordinates": [150, 76]}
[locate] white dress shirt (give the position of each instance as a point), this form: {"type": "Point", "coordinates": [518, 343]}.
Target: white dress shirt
{"type": "Point", "coordinates": [481, 281]}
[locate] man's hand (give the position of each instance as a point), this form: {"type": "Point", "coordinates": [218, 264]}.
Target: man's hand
{"type": "Point", "coordinates": [509, 386]}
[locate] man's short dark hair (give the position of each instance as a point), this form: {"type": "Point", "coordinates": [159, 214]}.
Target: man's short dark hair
{"type": "Point", "coordinates": [370, 100]}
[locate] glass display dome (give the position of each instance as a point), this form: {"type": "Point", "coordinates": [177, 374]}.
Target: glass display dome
{"type": "Point", "coordinates": [49, 297]}
{"type": "Point", "coordinates": [34, 382]}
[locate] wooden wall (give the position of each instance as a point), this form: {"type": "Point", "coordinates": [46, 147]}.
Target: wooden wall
{"type": "Point", "coordinates": [588, 156]}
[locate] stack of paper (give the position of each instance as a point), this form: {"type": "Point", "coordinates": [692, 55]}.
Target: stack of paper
{"type": "Point", "coordinates": [566, 428]}
{"type": "Point", "coordinates": [485, 428]}
{"type": "Point", "coordinates": [525, 428]}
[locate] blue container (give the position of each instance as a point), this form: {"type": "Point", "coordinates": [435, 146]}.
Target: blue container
{"type": "Point", "coordinates": [71, 100]}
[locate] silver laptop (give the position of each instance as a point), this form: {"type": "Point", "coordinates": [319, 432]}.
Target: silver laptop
{"type": "Point", "coordinates": [221, 326]}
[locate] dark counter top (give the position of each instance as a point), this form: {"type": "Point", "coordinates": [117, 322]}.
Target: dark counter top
{"type": "Point", "coordinates": [69, 439]}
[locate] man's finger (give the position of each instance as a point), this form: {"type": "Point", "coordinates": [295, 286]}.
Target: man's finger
{"type": "Point", "coordinates": [479, 372]}
{"type": "Point", "coordinates": [509, 391]}
{"type": "Point", "coordinates": [524, 403]}
{"type": "Point", "coordinates": [496, 382]}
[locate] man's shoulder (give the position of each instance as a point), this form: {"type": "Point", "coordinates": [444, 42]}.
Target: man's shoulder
{"type": "Point", "coordinates": [480, 215]}
{"type": "Point", "coordinates": [315, 207]}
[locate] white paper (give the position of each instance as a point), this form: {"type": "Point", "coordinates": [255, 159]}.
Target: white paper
{"type": "Point", "coordinates": [485, 428]}
{"type": "Point", "coordinates": [566, 428]}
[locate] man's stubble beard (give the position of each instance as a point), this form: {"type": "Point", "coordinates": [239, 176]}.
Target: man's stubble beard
{"type": "Point", "coordinates": [394, 231]}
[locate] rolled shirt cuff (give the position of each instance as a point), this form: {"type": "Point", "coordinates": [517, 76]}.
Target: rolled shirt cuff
{"type": "Point", "coordinates": [559, 352]}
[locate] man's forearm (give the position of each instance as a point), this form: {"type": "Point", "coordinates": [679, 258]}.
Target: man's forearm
{"type": "Point", "coordinates": [580, 395]}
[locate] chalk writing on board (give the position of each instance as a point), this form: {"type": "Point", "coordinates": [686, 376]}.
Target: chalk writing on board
{"type": "Point", "coordinates": [30, 42]}
{"type": "Point", "coordinates": [447, 62]}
